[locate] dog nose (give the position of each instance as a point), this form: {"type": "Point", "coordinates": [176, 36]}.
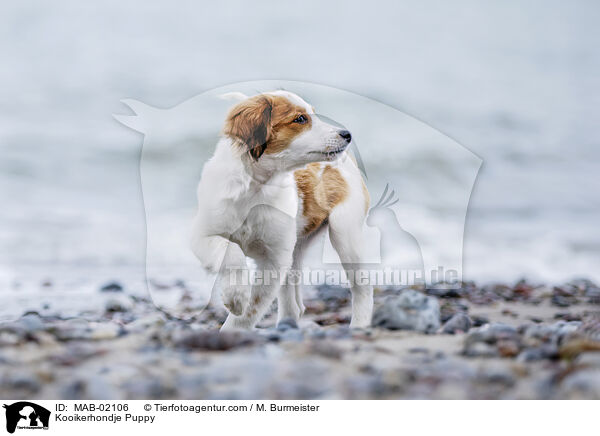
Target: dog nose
{"type": "Point", "coordinates": [346, 135]}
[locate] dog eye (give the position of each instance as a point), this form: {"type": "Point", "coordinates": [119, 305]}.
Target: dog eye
{"type": "Point", "coordinates": [300, 119]}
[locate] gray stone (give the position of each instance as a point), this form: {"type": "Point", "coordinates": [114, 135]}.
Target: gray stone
{"type": "Point", "coordinates": [492, 333]}
{"type": "Point", "coordinates": [338, 332]}
{"type": "Point", "coordinates": [148, 388]}
{"type": "Point", "coordinates": [146, 323]}
{"type": "Point", "coordinates": [495, 372]}
{"type": "Point", "coordinates": [215, 340]}
{"type": "Point", "coordinates": [81, 329]}
{"type": "Point", "coordinates": [583, 384]}
{"type": "Point", "coordinates": [591, 359]}
{"type": "Point", "coordinates": [411, 310]}
{"type": "Point", "coordinates": [539, 334]}
{"type": "Point", "coordinates": [112, 287]}
{"type": "Point", "coordinates": [73, 390]}
{"type": "Point", "coordinates": [25, 382]}
{"type": "Point", "coordinates": [593, 295]}
{"type": "Point", "coordinates": [479, 320]}
{"type": "Point", "coordinates": [293, 335]}
{"type": "Point", "coordinates": [318, 334]}
{"type": "Point", "coordinates": [546, 351]}
{"type": "Point", "coordinates": [19, 329]}
{"type": "Point", "coordinates": [590, 327]}
{"type": "Point", "coordinates": [460, 322]}
{"type": "Point", "coordinates": [120, 303]}
{"type": "Point", "coordinates": [333, 293]}
{"type": "Point", "coordinates": [10, 337]}
{"type": "Point", "coordinates": [444, 292]}
{"type": "Point", "coordinates": [491, 340]}
{"type": "Point", "coordinates": [480, 349]}
{"type": "Point", "coordinates": [31, 322]}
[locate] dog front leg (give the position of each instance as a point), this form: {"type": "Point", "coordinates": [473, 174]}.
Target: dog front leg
{"type": "Point", "coordinates": [262, 295]}
{"type": "Point", "coordinates": [219, 255]}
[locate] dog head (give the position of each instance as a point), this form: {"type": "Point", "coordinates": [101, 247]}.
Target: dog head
{"type": "Point", "coordinates": [280, 130]}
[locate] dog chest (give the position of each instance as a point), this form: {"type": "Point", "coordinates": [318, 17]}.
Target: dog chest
{"type": "Point", "coordinates": [265, 231]}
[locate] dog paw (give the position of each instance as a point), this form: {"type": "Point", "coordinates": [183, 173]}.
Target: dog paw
{"type": "Point", "coordinates": [236, 299]}
{"type": "Point", "coordinates": [236, 323]}
{"type": "Point", "coordinates": [360, 324]}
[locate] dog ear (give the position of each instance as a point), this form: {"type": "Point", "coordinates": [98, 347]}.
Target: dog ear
{"type": "Point", "coordinates": [249, 123]}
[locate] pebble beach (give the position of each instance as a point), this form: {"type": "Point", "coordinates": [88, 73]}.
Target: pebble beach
{"type": "Point", "coordinates": [496, 341]}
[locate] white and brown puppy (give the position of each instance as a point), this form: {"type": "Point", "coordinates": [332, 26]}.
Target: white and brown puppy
{"type": "Point", "coordinates": [279, 175]}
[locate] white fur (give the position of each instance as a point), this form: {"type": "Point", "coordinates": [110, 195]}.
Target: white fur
{"type": "Point", "coordinates": [251, 208]}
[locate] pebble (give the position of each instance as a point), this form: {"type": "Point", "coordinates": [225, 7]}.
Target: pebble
{"type": "Point", "coordinates": [76, 353]}
{"type": "Point", "coordinates": [561, 301]}
{"type": "Point", "coordinates": [147, 322]}
{"type": "Point", "coordinates": [81, 329]}
{"type": "Point", "coordinates": [582, 384]}
{"type": "Point", "coordinates": [546, 351]}
{"type": "Point", "coordinates": [327, 349]}
{"type": "Point", "coordinates": [566, 295]}
{"type": "Point", "coordinates": [443, 292]}
{"type": "Point", "coordinates": [479, 320]}
{"type": "Point", "coordinates": [338, 332]}
{"type": "Point", "coordinates": [480, 349]}
{"type": "Point", "coordinates": [112, 287]}
{"type": "Point", "coordinates": [593, 295]}
{"type": "Point", "coordinates": [492, 333]}
{"type": "Point", "coordinates": [497, 373]}
{"type": "Point", "coordinates": [459, 323]}
{"type": "Point", "coordinates": [327, 292]}
{"type": "Point", "coordinates": [508, 347]}
{"type": "Point", "coordinates": [120, 303]}
{"type": "Point", "coordinates": [491, 340]}
{"type": "Point", "coordinates": [8, 338]}
{"type": "Point", "coordinates": [590, 327]}
{"type": "Point", "coordinates": [215, 340]}
{"type": "Point", "coordinates": [25, 382]}
{"type": "Point", "coordinates": [292, 335]}
{"type": "Point", "coordinates": [411, 310]}
{"type": "Point", "coordinates": [450, 307]}
{"type": "Point", "coordinates": [149, 388]}
{"type": "Point", "coordinates": [31, 322]}
{"type": "Point", "coordinates": [567, 316]}
{"type": "Point", "coordinates": [590, 359]}
{"type": "Point", "coordinates": [13, 332]}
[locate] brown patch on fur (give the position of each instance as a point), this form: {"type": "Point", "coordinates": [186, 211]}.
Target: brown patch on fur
{"type": "Point", "coordinates": [265, 124]}
{"type": "Point", "coordinates": [249, 124]}
{"type": "Point", "coordinates": [320, 193]}
{"type": "Point", "coordinates": [284, 130]}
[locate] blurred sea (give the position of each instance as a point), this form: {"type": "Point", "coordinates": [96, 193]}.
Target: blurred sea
{"type": "Point", "coordinates": [516, 83]}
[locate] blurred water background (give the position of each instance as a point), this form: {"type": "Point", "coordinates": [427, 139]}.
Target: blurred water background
{"type": "Point", "coordinates": [516, 83]}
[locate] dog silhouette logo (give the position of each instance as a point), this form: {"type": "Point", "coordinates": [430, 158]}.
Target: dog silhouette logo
{"type": "Point", "coordinates": [26, 415]}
